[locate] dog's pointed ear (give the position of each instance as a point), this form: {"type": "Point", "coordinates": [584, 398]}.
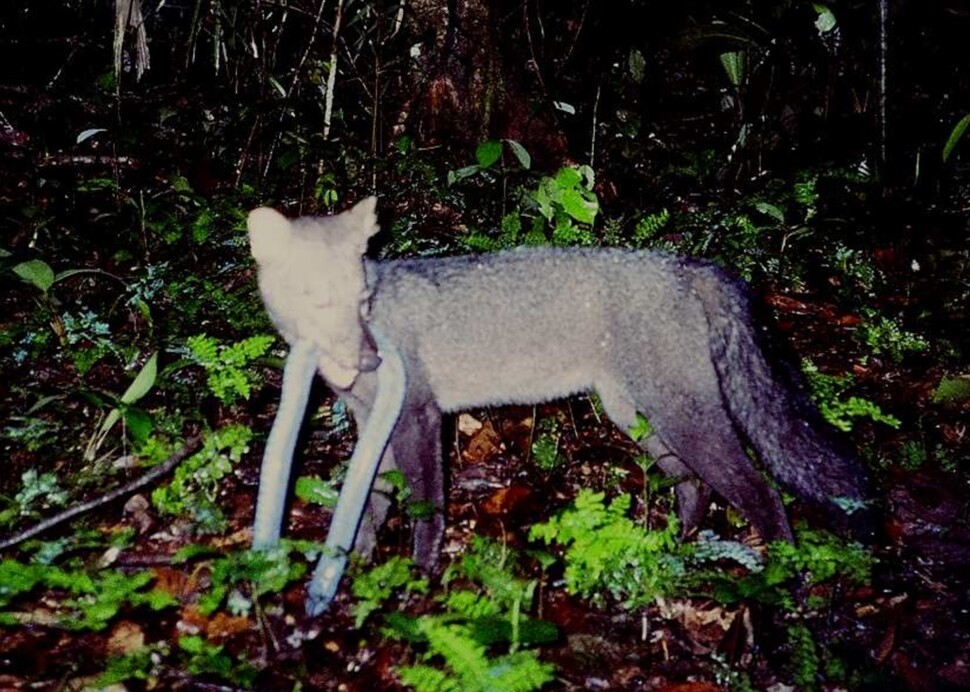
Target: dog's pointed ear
{"type": "Point", "coordinates": [268, 231]}
{"type": "Point", "coordinates": [365, 213]}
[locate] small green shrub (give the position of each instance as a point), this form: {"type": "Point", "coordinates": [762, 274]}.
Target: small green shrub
{"type": "Point", "coordinates": [229, 369]}
{"type": "Point", "coordinates": [567, 205]}
{"type": "Point", "coordinates": [91, 601]}
{"type": "Point", "coordinates": [468, 666]}
{"type": "Point", "coordinates": [607, 552]}
{"type": "Point", "coordinates": [194, 490]}
{"type": "Point", "coordinates": [828, 392]}
{"type": "Point", "coordinates": [545, 445]}
{"type": "Point", "coordinates": [39, 491]}
{"type": "Point", "coordinates": [649, 227]}
{"type": "Point", "coordinates": [375, 586]}
{"type": "Point", "coordinates": [204, 658]}
{"type": "Point", "coordinates": [263, 571]}
{"type": "Point", "coordinates": [476, 640]}
{"type": "Point", "coordinates": [886, 337]}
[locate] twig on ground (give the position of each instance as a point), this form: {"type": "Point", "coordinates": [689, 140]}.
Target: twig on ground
{"type": "Point", "coordinates": [165, 467]}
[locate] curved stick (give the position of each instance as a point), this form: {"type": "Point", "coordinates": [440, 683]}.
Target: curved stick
{"type": "Point", "coordinates": [371, 443]}
{"type": "Point", "coordinates": [177, 458]}
{"type": "Point", "coordinates": [274, 476]}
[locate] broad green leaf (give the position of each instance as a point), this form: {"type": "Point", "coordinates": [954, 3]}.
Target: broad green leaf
{"type": "Point", "coordinates": [568, 177]}
{"type": "Point", "coordinates": [955, 136]}
{"type": "Point", "coordinates": [520, 153]}
{"type": "Point", "coordinates": [642, 429]}
{"type": "Point", "coordinates": [139, 423]}
{"type": "Point", "coordinates": [42, 402]}
{"type": "Point", "coordinates": [139, 387]}
{"type": "Point", "coordinates": [733, 63]}
{"type": "Point", "coordinates": [578, 207]}
{"type": "Point", "coordinates": [462, 173]}
{"type": "Point", "coordinates": [36, 272]}
{"type": "Point", "coordinates": [488, 153]}
{"type": "Point", "coordinates": [280, 89]}
{"type": "Point", "coordinates": [316, 490]}
{"type": "Point", "coordinates": [771, 210]}
{"type": "Point", "coordinates": [826, 19]}
{"type": "Point", "coordinates": [143, 382]}
{"type": "Point", "coordinates": [192, 644]}
{"type": "Point", "coordinates": [114, 415]}
{"type": "Point", "coordinates": [87, 134]}
{"type": "Point", "coordinates": [67, 273]}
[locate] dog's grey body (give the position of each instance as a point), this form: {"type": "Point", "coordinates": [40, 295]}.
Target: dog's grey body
{"type": "Point", "coordinates": [670, 338]}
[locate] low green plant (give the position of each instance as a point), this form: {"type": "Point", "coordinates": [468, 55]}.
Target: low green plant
{"type": "Point", "coordinates": [136, 421]}
{"type": "Point", "coordinates": [194, 490]}
{"type": "Point", "coordinates": [467, 665]}
{"type": "Point", "coordinates": [856, 265]}
{"type": "Point", "coordinates": [885, 336]}
{"type": "Point", "coordinates": [828, 393]}
{"type": "Point", "coordinates": [654, 481]}
{"type": "Point", "coordinates": [140, 665]}
{"type": "Point", "coordinates": [805, 663]}
{"type": "Point", "coordinates": [317, 491]}
{"type": "Point", "coordinates": [235, 580]}
{"type": "Point", "coordinates": [916, 453]}
{"type": "Point", "coordinates": [476, 641]}
{"type": "Point", "coordinates": [487, 155]}
{"type": "Point", "coordinates": [261, 571]}
{"type": "Point", "coordinates": [32, 431]}
{"type": "Point", "coordinates": [38, 491]}
{"type": "Point", "coordinates": [85, 336]}
{"type": "Point", "coordinates": [819, 560]}
{"type": "Point", "coordinates": [565, 204]}
{"type": "Point", "coordinates": [90, 601]}
{"type": "Point", "coordinates": [87, 340]}
{"type": "Point", "coordinates": [229, 368]}
{"type": "Point", "coordinates": [648, 228]}
{"type": "Point", "coordinates": [956, 134]}
{"type": "Point", "coordinates": [952, 392]}
{"type": "Point", "coordinates": [818, 557]}
{"type": "Point", "coordinates": [913, 455]}
{"type": "Point", "coordinates": [205, 658]}
{"type": "Point", "coordinates": [374, 587]}
{"type": "Point", "coordinates": [545, 449]}
{"type": "Point", "coordinates": [606, 552]}
{"type": "Point", "coordinates": [560, 209]}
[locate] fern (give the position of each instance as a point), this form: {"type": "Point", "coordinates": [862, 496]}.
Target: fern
{"type": "Point", "coordinates": [484, 615]}
{"type": "Point", "coordinates": [828, 391]}
{"type": "Point", "coordinates": [194, 489]}
{"type": "Point", "coordinates": [650, 225]}
{"type": "Point", "coordinates": [229, 374]}
{"type": "Point", "coordinates": [469, 667]}
{"type": "Point", "coordinates": [377, 585]}
{"type": "Point", "coordinates": [805, 663]}
{"type": "Point", "coordinates": [607, 551]}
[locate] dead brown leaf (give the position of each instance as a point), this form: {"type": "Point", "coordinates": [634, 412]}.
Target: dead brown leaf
{"type": "Point", "coordinates": [126, 637]}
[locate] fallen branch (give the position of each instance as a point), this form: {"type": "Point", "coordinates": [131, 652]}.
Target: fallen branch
{"type": "Point", "coordinates": [165, 467]}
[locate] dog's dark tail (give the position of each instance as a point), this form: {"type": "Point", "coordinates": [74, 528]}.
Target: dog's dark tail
{"type": "Point", "coordinates": [768, 402]}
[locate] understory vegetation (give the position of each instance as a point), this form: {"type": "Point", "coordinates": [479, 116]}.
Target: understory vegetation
{"type": "Point", "coordinates": [133, 339]}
